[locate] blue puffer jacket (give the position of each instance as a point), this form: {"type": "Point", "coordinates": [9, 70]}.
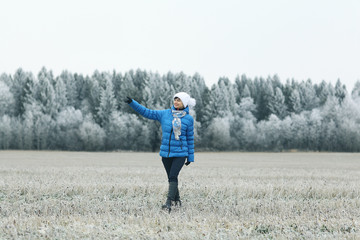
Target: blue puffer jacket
{"type": "Point", "coordinates": [170, 147]}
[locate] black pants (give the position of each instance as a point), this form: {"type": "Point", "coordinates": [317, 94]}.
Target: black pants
{"type": "Point", "coordinates": [173, 166]}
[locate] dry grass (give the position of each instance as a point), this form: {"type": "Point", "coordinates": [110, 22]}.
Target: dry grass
{"type": "Point", "coordinates": [69, 195]}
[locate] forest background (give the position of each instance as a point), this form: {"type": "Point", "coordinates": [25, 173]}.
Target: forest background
{"type": "Point", "coordinates": [87, 113]}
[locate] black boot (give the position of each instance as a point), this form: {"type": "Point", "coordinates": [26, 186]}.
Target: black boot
{"type": "Point", "coordinates": [171, 196]}
{"type": "Point", "coordinates": [177, 198]}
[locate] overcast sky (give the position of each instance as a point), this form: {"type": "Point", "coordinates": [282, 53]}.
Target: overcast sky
{"type": "Point", "coordinates": [300, 39]}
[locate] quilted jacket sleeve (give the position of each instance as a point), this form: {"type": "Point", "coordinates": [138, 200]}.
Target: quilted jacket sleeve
{"type": "Point", "coordinates": [145, 112]}
{"type": "Point", "coordinates": [190, 140]}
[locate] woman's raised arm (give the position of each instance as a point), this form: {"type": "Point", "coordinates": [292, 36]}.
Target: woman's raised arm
{"type": "Point", "coordinates": [143, 111]}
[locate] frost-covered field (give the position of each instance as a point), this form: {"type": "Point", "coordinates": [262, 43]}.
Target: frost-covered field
{"type": "Point", "coordinates": [70, 195]}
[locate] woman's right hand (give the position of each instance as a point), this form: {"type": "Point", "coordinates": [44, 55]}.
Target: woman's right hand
{"type": "Point", "coordinates": [128, 100]}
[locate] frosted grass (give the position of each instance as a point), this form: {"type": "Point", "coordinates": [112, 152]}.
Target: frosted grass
{"type": "Point", "coordinates": [68, 195]}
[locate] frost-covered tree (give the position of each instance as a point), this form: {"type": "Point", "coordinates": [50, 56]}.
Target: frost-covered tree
{"type": "Point", "coordinates": [6, 99]}
{"type": "Point", "coordinates": [349, 127]}
{"type": "Point", "coordinates": [91, 102]}
{"type": "Point", "coordinates": [277, 104]}
{"type": "Point", "coordinates": [45, 94]}
{"type": "Point", "coordinates": [92, 136]}
{"type": "Point", "coordinates": [299, 124]}
{"type": "Point", "coordinates": [81, 89]}
{"type": "Point", "coordinates": [71, 90]}
{"type": "Point", "coordinates": [329, 136]}
{"type": "Point", "coordinates": [295, 102]}
{"type": "Point", "coordinates": [43, 129]}
{"type": "Point", "coordinates": [28, 130]}
{"type": "Point", "coordinates": [286, 133]}
{"type": "Point", "coordinates": [47, 112]}
{"type": "Point", "coordinates": [356, 90]}
{"type": "Point", "coordinates": [218, 134]}
{"type": "Point", "coordinates": [265, 94]}
{"type": "Point", "coordinates": [246, 109]}
{"type": "Point", "coordinates": [340, 91]}
{"type": "Point", "coordinates": [243, 125]}
{"type": "Point", "coordinates": [128, 89]}
{"type": "Point", "coordinates": [29, 93]}
{"type": "Point", "coordinates": [126, 131]}
{"type": "Point", "coordinates": [159, 92]}
{"type": "Point", "coordinates": [246, 92]}
{"type": "Point", "coordinates": [180, 82]}
{"type": "Point", "coordinates": [117, 80]}
{"type": "Point", "coordinates": [199, 91]}
{"type": "Point", "coordinates": [324, 91]}
{"type": "Point", "coordinates": [308, 97]}
{"type": "Point", "coordinates": [67, 134]}
{"type": "Point", "coordinates": [60, 95]}
{"type": "Point", "coordinates": [5, 132]}
{"type": "Point", "coordinates": [107, 103]}
{"type": "Point", "coordinates": [17, 141]}
{"type": "Point", "coordinates": [313, 130]}
{"type": "Point", "coordinates": [269, 134]}
{"type": "Point", "coordinates": [17, 89]}
{"type": "Point", "coordinates": [287, 91]}
{"type": "Point", "coordinates": [222, 100]}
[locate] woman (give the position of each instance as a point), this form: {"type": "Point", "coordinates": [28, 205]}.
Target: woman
{"type": "Point", "coordinates": [177, 142]}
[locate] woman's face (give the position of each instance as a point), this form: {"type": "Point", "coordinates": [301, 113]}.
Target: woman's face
{"type": "Point", "coordinates": [178, 103]}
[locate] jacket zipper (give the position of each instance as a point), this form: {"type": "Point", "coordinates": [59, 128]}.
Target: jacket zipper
{"type": "Point", "coordinates": [169, 141]}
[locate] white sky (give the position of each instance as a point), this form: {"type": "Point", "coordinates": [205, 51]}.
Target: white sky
{"type": "Point", "coordinates": [317, 39]}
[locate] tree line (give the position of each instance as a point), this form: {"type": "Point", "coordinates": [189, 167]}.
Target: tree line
{"type": "Point", "coordinates": [87, 113]}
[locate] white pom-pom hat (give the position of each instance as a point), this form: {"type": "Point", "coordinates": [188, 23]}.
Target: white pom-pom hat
{"type": "Point", "coordinates": [186, 99]}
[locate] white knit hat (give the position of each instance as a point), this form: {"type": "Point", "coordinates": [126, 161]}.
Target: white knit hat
{"type": "Point", "coordinates": [186, 99]}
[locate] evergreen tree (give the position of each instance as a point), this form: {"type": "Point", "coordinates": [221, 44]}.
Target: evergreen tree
{"type": "Point", "coordinates": [340, 91]}
{"type": "Point", "coordinates": [107, 103]}
{"type": "Point", "coordinates": [322, 92]}
{"type": "Point", "coordinates": [73, 112]}
{"type": "Point", "coordinates": [356, 90]}
{"type": "Point", "coordinates": [45, 94]}
{"type": "Point", "coordinates": [295, 102]}
{"type": "Point", "coordinates": [277, 104]}
{"type": "Point", "coordinates": [117, 80]}
{"type": "Point", "coordinates": [60, 95]}
{"type": "Point", "coordinates": [198, 92]}
{"type": "Point", "coordinates": [29, 93]}
{"type": "Point", "coordinates": [246, 92]}
{"type": "Point", "coordinates": [222, 98]}
{"type": "Point", "coordinates": [71, 90]}
{"type": "Point", "coordinates": [91, 103]}
{"type": "Point", "coordinates": [308, 97]}
{"type": "Point", "coordinates": [128, 89]}
{"type": "Point", "coordinates": [262, 100]}
{"type": "Point", "coordinates": [81, 89]}
{"type": "Point", "coordinates": [17, 89]}
{"type": "Point", "coordinates": [6, 99]}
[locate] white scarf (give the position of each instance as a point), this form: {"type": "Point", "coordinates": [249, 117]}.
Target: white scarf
{"type": "Point", "coordinates": [176, 122]}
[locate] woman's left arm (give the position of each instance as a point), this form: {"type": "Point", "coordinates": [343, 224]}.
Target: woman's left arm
{"type": "Point", "coordinates": [190, 140]}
